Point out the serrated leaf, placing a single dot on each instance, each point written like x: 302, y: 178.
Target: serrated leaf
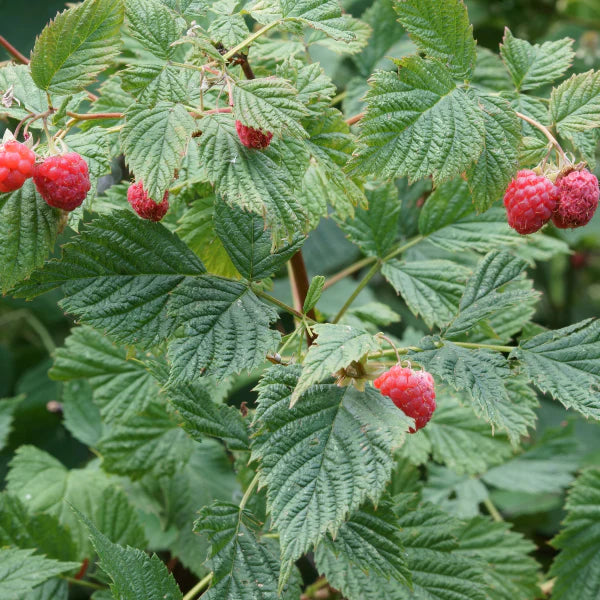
x: 575, y: 103
x: 43, y: 484
x: 336, y: 347
x: 418, y: 102
x: 93, y: 147
x: 564, y: 363
x: 492, y: 171
x: 133, y: 572
x: 120, y: 286
x: 534, y: 65
x: 81, y: 416
x: 336, y: 442
x: 359, y: 28
x: 52, y: 589
x: 244, y: 567
x: 578, y: 563
x: 431, y: 288
x: 375, y: 229
x: 228, y: 30
x: 322, y: 15
x: 80, y: 43
x: 7, y: 409
x: 153, y: 26
x: 490, y: 74
x: 27, y: 97
x: 154, y: 141
x: 269, y: 104
x: 442, y: 31
x: 117, y: 519
x: 510, y: 572
x: 249, y: 244
x: 122, y: 387
x: 315, y: 289
x: 28, y: 230
x: 259, y: 181
x: 21, y: 571
x: 226, y: 329
x: 485, y: 293
x: 151, y: 442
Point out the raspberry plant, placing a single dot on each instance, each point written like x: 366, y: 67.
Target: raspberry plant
x: 316, y: 485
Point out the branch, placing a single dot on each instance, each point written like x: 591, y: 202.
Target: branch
x: 13, y: 51
x: 249, y: 40
x: 355, y: 118
x: 300, y: 285
x: 92, y: 116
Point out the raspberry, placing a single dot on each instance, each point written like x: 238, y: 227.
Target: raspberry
x: 144, y: 205
x: 253, y: 138
x: 577, y: 196
x: 16, y: 165
x: 413, y: 392
x: 529, y: 201
x: 63, y: 181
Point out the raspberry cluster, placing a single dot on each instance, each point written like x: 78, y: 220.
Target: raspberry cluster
x: 253, y: 138
x: 577, y: 199
x: 144, y: 206
x: 16, y: 165
x: 413, y: 392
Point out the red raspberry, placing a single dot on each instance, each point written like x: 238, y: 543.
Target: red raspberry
x: 577, y: 196
x: 413, y: 392
x: 63, y: 181
x: 16, y: 165
x: 253, y: 138
x: 144, y: 205
x: 529, y: 201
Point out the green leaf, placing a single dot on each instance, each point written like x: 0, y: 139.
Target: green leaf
x: 228, y: 30
x: 249, y: 244
x: 578, y: 563
x: 20, y: 571
x: 122, y: 386
x: 533, y: 65
x: 244, y: 567
x: 226, y: 329
x: 27, y: 97
x: 153, y: 26
x: 259, y: 181
x: 81, y: 416
x: 442, y: 31
x: 564, y: 363
x: 491, y: 173
x: 133, y: 572
x: 202, y: 416
x: 314, y: 293
x: 575, y: 103
x: 28, y: 230
x: 94, y: 148
x: 80, y: 43
x: 484, y: 293
x: 154, y: 141
x: 419, y: 102
x: 41, y: 532
x: 430, y: 288
x: 52, y: 589
x: 367, y: 544
x: 43, y: 484
x: 449, y: 221
x: 117, y: 276
x: 270, y: 104
x: 490, y: 74
x: 510, y: 572
x: 375, y: 229
x: 151, y: 442
x: 118, y: 520
x: 336, y: 347
x: 7, y: 409
x: 335, y: 443
x: 322, y: 15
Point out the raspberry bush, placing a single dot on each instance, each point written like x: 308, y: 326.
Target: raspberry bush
x: 328, y: 353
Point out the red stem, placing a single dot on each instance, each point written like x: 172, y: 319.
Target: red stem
x: 13, y: 51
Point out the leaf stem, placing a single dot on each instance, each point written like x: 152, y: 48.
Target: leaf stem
x: 484, y: 346
x: 13, y: 51
x: 91, y: 116
x: 494, y: 513
x: 249, y: 492
x: 203, y: 583
x: 412, y: 242
x: 357, y: 266
x: 359, y: 288
x: 83, y: 583
x: 249, y: 40
x: 300, y: 285
x: 355, y: 118
x: 547, y: 133
x: 282, y: 305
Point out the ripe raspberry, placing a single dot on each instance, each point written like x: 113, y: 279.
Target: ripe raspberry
x: 413, y: 392
x: 253, y: 138
x: 16, y: 165
x: 144, y: 205
x: 63, y: 180
x: 529, y: 202
x: 577, y: 196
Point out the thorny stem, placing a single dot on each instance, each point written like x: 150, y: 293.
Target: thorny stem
x: 203, y: 583
x: 249, y: 40
x: 13, y: 51
x: 547, y: 133
x: 83, y: 582
x: 300, y: 285
x: 365, y: 280
x: 494, y: 513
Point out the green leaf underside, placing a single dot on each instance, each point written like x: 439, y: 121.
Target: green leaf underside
x: 577, y: 567
x: 442, y: 31
x: 420, y: 102
x: 80, y: 43
x: 335, y: 443
x: 322, y: 15
x: 566, y: 364
x: 226, y: 329
x: 153, y: 25
x: 534, y: 65
x: 117, y: 275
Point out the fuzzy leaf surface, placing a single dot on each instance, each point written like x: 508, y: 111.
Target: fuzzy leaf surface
x: 322, y: 15
x: 153, y: 26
